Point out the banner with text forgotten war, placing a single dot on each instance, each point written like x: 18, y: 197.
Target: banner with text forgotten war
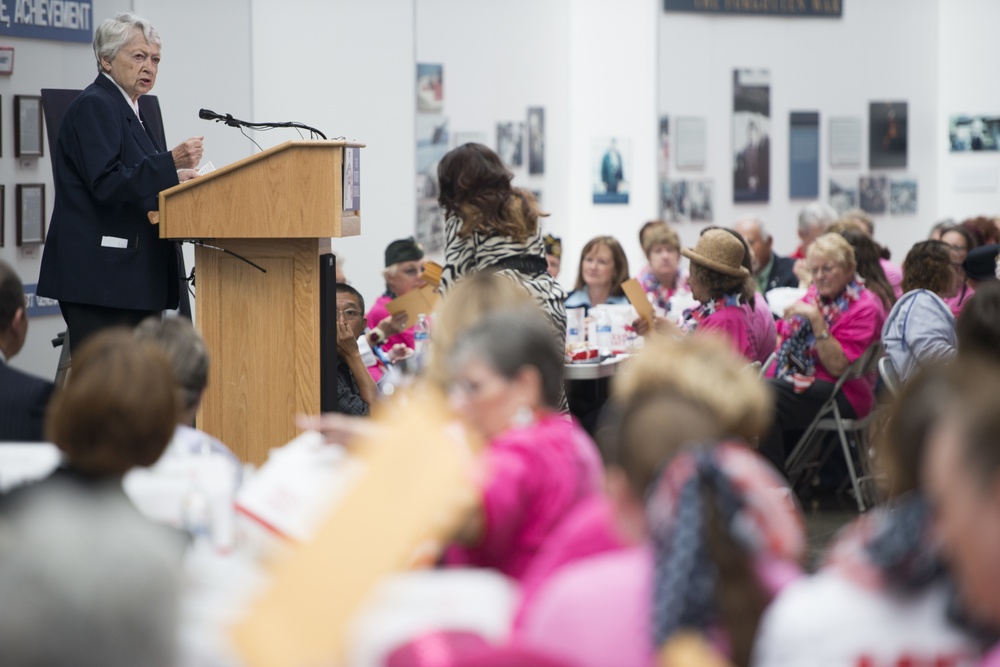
x: 801, y: 8
x: 59, y: 20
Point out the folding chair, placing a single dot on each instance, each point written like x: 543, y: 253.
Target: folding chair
x: 762, y: 370
x: 890, y: 379
x: 814, y: 448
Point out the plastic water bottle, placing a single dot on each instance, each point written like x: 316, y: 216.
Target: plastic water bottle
x: 421, y: 340
x: 603, y: 321
x: 196, y: 515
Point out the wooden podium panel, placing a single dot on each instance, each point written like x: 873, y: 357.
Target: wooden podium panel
x: 294, y: 190
x: 279, y: 209
x: 262, y: 332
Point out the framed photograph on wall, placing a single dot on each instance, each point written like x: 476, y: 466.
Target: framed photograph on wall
x: 3, y: 207
x: 751, y: 135
x: 30, y: 213
x: 28, y: 126
x: 887, y: 130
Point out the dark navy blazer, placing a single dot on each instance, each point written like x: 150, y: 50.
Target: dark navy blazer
x: 108, y: 173
x: 23, y: 400
x: 782, y: 273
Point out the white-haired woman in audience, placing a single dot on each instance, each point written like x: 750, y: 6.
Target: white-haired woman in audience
x: 505, y: 381
x: 821, y: 336
x: 881, y: 595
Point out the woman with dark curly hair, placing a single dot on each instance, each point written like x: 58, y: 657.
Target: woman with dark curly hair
x: 920, y: 328
x: 491, y: 226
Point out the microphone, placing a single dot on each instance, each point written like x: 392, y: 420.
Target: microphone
x: 206, y: 114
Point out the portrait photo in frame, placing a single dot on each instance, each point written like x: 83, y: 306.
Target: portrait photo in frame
x: 30, y: 213
x: 28, y: 126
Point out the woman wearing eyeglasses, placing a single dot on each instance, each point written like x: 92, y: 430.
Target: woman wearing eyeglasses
x: 821, y: 336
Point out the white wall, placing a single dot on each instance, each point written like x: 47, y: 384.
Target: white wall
x: 966, y: 85
x: 499, y: 59
x: 347, y: 68
x: 878, y: 51
x: 38, y: 64
x: 612, y: 93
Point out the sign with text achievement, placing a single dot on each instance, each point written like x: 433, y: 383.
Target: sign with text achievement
x: 794, y: 8
x: 58, y: 20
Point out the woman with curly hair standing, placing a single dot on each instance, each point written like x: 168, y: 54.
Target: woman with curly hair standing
x: 491, y: 226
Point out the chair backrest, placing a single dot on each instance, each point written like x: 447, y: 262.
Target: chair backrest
x: 887, y: 372
x: 863, y: 366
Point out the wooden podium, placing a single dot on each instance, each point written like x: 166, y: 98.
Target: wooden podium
x: 278, y: 209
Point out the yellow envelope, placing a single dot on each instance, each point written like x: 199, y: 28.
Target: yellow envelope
x: 416, y: 486
x: 414, y: 302
x: 637, y: 297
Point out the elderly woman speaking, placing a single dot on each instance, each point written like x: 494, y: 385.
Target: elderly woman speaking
x: 103, y: 261
x: 821, y: 336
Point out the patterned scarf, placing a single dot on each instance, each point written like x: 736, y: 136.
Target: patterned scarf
x: 694, y: 316
x: 659, y: 292
x: 797, y: 356
x: 755, y: 506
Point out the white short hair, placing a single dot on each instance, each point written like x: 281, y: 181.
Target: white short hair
x: 113, y: 34
x: 817, y: 214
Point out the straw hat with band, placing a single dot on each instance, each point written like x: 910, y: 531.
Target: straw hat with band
x: 719, y: 251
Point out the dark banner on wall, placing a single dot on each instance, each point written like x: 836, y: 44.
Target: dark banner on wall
x: 59, y: 20
x: 803, y: 155
x: 802, y: 8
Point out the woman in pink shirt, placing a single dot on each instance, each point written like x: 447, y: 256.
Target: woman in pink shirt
x: 506, y: 382
x: 821, y: 336
x: 721, y: 282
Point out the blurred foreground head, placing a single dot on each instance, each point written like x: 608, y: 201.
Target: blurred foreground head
x: 709, y: 392
x: 464, y: 305
x: 119, y: 408
x: 86, y: 581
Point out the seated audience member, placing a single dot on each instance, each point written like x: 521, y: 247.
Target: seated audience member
x: 185, y: 350
x: 715, y: 538
x: 983, y: 229
x: 506, y: 383
x: 770, y: 270
x: 961, y: 472
x: 23, y: 398
x: 694, y: 370
x: 814, y: 220
x: 356, y: 389
x: 939, y: 227
x: 553, y: 254
x: 866, y: 255
x: 866, y: 223
x: 821, y: 336
x: 404, y: 269
x: 978, y: 326
x: 603, y: 269
x: 920, y: 328
x: 960, y: 242
x: 881, y: 596
x: 662, y: 277
x: 118, y: 410
x: 765, y: 331
x: 982, y: 265
x: 719, y: 281
x: 85, y: 580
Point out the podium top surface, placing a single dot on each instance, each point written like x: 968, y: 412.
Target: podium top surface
x: 292, y: 190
